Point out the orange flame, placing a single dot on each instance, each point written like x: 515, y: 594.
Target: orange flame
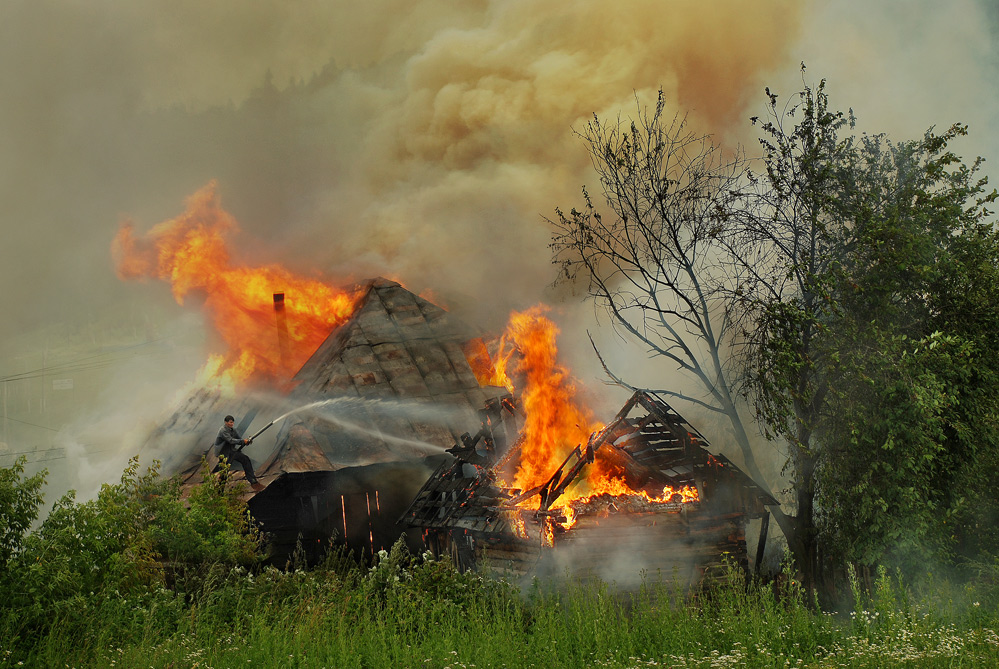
x: 487, y: 371
x: 190, y: 253
x: 555, y: 421
x: 548, y: 533
x: 616, y: 488
x: 519, y: 527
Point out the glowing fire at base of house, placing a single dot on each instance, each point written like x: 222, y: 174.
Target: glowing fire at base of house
x: 671, y: 501
x: 631, y: 501
x: 564, y: 516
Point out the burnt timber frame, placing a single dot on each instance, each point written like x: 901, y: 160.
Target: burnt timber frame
x: 463, y: 505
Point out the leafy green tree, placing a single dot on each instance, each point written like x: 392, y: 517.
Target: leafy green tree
x: 784, y: 247
x: 20, y: 497
x: 913, y: 349
x: 873, y: 359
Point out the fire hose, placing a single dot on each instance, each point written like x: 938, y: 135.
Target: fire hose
x: 282, y: 417
x: 258, y: 433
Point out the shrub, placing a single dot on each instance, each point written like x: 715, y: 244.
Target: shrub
x: 20, y: 498
x: 106, y: 559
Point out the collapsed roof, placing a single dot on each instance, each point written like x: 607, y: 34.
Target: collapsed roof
x: 465, y: 510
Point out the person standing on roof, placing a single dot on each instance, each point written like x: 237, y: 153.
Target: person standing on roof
x: 228, y: 443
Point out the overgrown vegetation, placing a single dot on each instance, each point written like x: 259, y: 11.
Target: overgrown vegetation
x: 845, y: 287
x: 137, y: 578
x: 136, y: 549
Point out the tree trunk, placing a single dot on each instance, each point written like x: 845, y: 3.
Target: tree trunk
x: 804, y: 543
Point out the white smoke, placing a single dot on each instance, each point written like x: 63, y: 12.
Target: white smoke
x: 420, y: 140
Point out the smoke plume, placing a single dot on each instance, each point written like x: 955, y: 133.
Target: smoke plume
x: 407, y: 138
x: 417, y: 140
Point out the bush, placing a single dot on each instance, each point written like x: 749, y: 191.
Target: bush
x: 20, y: 498
x: 107, y: 559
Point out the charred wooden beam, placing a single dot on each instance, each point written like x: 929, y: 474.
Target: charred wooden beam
x: 517, y: 499
x: 550, y: 495
x: 762, y: 544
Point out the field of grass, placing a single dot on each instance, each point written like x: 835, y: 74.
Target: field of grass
x: 418, y: 612
x: 140, y: 577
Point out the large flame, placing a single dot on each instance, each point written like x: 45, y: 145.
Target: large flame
x: 265, y: 342
x: 490, y: 370
x: 556, y: 420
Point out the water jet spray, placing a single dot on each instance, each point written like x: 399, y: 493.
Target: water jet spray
x: 282, y: 417
x: 387, y: 438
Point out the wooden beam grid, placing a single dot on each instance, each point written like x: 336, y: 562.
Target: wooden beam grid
x: 660, y: 447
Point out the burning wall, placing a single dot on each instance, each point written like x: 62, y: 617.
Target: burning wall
x: 673, y: 505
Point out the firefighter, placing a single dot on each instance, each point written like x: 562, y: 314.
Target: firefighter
x: 229, y: 446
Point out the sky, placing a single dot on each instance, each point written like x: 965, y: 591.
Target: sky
x: 422, y: 140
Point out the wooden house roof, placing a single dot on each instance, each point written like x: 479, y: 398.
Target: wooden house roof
x: 395, y: 356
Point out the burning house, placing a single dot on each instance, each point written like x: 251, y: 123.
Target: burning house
x: 385, y: 404
x: 385, y: 394
x: 374, y: 391
x: 644, y: 493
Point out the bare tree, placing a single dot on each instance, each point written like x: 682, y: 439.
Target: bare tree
x: 660, y: 265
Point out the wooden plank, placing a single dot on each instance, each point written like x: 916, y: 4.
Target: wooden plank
x: 433, y: 364
x: 360, y: 359
x: 459, y: 363
x: 507, y: 553
x: 665, y: 443
x: 411, y: 323
x: 659, y: 450
x: 336, y: 380
x: 659, y: 455
x: 373, y: 319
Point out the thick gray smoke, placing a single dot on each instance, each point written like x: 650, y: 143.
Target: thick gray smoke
x: 408, y: 138
x: 421, y: 140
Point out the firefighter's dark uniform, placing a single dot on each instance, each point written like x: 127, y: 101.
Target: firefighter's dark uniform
x: 227, y: 446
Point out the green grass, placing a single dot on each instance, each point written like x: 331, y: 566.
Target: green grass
x: 139, y: 577
x: 421, y: 613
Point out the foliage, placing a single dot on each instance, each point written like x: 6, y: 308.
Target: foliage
x: 784, y: 243
x: 211, y: 526
x: 911, y: 352
x: 874, y: 358
x: 20, y: 498
x: 114, y: 552
x: 408, y: 610
x: 434, y: 616
x: 851, y: 278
